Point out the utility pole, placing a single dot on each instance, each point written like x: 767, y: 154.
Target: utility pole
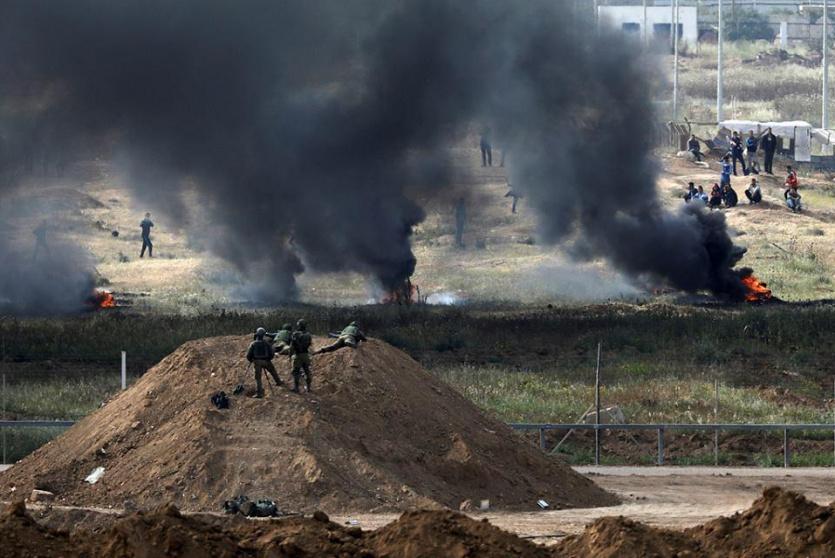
x: 719, y: 39
x: 675, y: 60
x: 644, y: 26
x: 672, y: 23
x: 825, y: 64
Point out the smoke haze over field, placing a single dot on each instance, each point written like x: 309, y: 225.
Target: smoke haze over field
x: 308, y: 127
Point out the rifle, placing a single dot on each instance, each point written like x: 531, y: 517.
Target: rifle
x: 334, y: 335
x: 266, y: 377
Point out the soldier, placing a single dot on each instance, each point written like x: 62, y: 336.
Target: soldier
x: 260, y: 354
x: 348, y: 337
x: 281, y: 338
x: 146, y: 225
x: 300, y: 343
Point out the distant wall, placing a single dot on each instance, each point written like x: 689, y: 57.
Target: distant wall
x: 630, y: 19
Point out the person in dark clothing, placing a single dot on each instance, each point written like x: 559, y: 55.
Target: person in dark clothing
x: 751, y: 145
x: 729, y: 197
x: 694, y: 147
x: 753, y: 192
x: 715, y: 201
x: 486, y: 149
x: 515, y: 195
x: 769, y: 146
x: 460, y: 219
x: 692, y: 193
x: 261, y: 354
x: 737, y: 152
x: 300, y: 343
x: 146, y: 225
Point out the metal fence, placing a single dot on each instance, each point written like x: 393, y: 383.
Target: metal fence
x: 662, y: 428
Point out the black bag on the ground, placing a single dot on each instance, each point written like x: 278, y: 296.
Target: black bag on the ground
x: 260, y: 508
x: 234, y: 506
x: 220, y: 400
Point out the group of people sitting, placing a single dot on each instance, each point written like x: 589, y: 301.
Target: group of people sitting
x: 723, y: 195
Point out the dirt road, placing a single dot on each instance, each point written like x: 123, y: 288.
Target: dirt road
x: 676, y: 497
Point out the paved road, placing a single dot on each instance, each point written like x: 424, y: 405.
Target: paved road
x: 771, y: 472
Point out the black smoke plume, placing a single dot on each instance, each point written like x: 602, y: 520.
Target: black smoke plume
x: 308, y: 127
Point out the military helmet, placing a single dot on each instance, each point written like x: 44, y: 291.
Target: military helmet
x: 287, y: 326
x: 301, y: 325
x: 260, y: 332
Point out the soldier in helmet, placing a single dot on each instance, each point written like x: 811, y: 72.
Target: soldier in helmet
x: 281, y: 338
x: 260, y: 354
x: 300, y: 343
x: 348, y: 337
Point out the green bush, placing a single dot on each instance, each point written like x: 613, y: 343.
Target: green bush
x: 750, y: 26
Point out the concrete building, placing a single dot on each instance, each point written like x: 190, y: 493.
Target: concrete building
x: 630, y: 19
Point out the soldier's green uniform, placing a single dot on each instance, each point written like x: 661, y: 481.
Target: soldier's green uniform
x: 260, y: 354
x: 348, y: 337
x: 300, y: 343
x: 282, y: 339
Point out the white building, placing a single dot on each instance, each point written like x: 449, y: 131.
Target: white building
x: 630, y: 19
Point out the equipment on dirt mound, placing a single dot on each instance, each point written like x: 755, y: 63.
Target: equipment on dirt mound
x: 220, y: 400
x: 259, y: 508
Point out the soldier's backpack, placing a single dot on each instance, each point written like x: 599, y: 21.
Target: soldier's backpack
x: 262, y: 350
x: 301, y: 342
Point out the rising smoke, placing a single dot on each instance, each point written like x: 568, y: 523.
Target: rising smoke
x: 308, y: 127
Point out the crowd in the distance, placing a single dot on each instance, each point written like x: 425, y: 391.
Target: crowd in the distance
x: 722, y: 193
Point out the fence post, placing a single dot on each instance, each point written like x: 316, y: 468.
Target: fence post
x: 597, y: 408
x: 787, y: 458
x: 4, y: 412
x: 124, y: 371
x: 542, y: 439
x: 716, y: 421
x: 660, y: 446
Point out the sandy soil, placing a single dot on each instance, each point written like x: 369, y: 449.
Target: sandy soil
x: 675, y: 497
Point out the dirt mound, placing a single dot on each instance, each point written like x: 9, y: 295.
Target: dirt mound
x: 378, y: 433
x: 22, y: 537
x: 618, y: 537
x: 444, y: 533
x: 780, y: 524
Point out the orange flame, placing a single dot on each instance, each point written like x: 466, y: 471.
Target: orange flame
x: 757, y: 290
x: 104, y: 299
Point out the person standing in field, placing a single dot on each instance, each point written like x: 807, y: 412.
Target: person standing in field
x: 486, y: 149
x: 736, y: 152
x: 146, y: 225
x: 751, y: 145
x: 726, y: 170
x: 769, y: 146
